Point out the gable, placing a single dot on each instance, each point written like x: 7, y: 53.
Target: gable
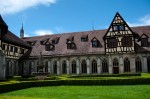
x: 118, y: 27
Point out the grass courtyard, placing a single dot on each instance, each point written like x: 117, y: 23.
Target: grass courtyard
x: 81, y: 92
x: 77, y: 87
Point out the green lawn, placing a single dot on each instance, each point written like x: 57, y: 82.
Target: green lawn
x: 81, y: 92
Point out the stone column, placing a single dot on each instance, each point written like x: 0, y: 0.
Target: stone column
x: 2, y: 66
x: 144, y: 67
x: 58, y: 67
x: 49, y: 67
x: 121, y: 65
x: 88, y: 65
x: 67, y: 66
x: 133, y: 68
x: 110, y: 65
x: 78, y: 66
x: 98, y: 65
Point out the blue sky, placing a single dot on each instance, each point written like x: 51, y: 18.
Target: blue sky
x: 42, y: 17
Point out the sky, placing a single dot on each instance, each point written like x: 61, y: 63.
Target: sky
x: 42, y: 17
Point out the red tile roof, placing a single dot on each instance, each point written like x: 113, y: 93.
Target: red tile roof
x: 82, y: 47
x: 13, y: 39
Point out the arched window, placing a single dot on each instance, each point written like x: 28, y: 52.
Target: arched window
x: 115, y: 62
x: 73, y: 66
x: 46, y: 66
x: 55, y: 67
x: 30, y: 67
x: 138, y: 65
x: 115, y: 66
x: 83, y: 66
x: 64, y: 67
x: 94, y: 66
x: 126, y: 65
x: 104, y: 66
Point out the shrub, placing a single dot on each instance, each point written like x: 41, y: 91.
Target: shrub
x: 23, y: 85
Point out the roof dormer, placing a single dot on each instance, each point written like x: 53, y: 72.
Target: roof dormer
x: 95, y: 42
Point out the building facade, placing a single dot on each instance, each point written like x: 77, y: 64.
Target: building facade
x: 116, y: 50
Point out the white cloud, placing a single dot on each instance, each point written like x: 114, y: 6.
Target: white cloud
x: 26, y: 35
x: 141, y: 22
x: 43, y: 32
x: 14, y: 6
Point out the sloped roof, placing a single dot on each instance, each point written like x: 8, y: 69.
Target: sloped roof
x: 13, y: 39
x: 82, y: 48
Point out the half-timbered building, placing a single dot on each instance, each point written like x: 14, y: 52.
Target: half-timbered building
x: 116, y: 50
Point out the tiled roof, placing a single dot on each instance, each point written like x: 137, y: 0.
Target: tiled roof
x: 82, y: 48
x: 13, y: 39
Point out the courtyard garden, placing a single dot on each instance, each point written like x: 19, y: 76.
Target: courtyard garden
x: 121, y: 86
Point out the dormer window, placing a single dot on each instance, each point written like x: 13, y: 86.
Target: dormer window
x: 84, y: 38
x: 95, y: 42
x: 71, y: 45
x: 55, y: 40
x: 112, y: 43
x: 144, y: 42
x: 43, y: 42
x: 31, y: 43
x: 71, y: 39
x: 49, y: 47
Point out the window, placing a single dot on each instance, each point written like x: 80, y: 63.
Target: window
x: 144, y: 42
x: 11, y: 48
x: 55, y: 67
x: 115, y: 63
x: 83, y: 39
x: 49, y: 47
x: 94, y: 44
x: 64, y: 67
x: 7, y: 47
x: 74, y: 67
x: 83, y: 66
x: 126, y: 41
x: 16, y: 49
x: 112, y: 43
x: 71, y: 45
x: 115, y: 28
x: 94, y: 66
x: 121, y: 27
x: 104, y: 66
x: 126, y: 65
x: 22, y: 51
x: 54, y: 42
x: 138, y: 65
x: 46, y: 66
x: 3, y: 46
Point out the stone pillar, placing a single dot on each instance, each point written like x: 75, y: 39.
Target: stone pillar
x: 49, y: 67
x: 133, y: 67
x: 58, y: 67
x: 67, y: 66
x: 98, y: 65
x: 110, y: 65
x: 88, y: 65
x: 144, y: 67
x: 121, y: 65
x: 78, y: 66
x: 2, y: 66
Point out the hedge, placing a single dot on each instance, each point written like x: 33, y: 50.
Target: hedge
x: 106, y: 75
x: 22, y: 85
